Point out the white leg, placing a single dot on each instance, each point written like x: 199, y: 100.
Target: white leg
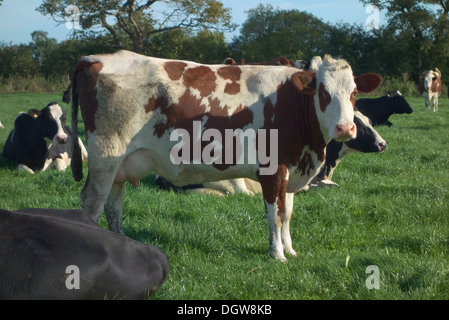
x: 24, y: 167
x: 285, y: 229
x: 274, y: 227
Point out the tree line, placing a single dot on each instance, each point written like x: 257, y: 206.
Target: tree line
x: 414, y: 38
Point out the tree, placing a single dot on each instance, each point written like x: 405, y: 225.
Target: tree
x: 270, y: 32
x: 132, y: 22
x: 421, y: 32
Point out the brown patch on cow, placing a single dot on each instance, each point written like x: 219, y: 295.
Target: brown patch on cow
x: 201, y: 78
x: 274, y: 189
x: 305, y: 164
x: 86, y: 74
x: 232, y: 88
x: 295, y: 118
x: 353, y: 98
x: 324, y: 97
x: 154, y: 103
x: 179, y: 115
x: 233, y: 74
x: 437, y: 85
x: 175, y: 69
x: 230, y: 73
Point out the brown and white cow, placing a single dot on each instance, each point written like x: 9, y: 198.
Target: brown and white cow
x: 430, y: 86
x: 139, y: 113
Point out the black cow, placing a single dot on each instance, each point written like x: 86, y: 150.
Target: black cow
x: 63, y: 254
x: 380, y: 109
x: 26, y: 143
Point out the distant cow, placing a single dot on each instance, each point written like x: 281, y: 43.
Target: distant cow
x: 26, y: 143
x: 378, y: 110
x: 136, y: 109
x: 63, y: 254
x: 368, y: 140
x: 430, y: 86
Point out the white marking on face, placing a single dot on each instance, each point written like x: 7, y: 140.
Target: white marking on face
x: 338, y: 81
x: 56, y: 113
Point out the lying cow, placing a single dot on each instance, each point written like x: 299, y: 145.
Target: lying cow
x: 63, y: 254
x: 430, y: 86
x: 59, y: 155
x: 26, y: 143
x: 368, y: 140
x: 378, y: 110
x: 136, y: 109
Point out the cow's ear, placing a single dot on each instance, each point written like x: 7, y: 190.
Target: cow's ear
x: 368, y: 82
x: 304, y: 81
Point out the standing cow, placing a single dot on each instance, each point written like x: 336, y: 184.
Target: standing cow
x: 430, y: 86
x: 26, y: 143
x: 141, y: 112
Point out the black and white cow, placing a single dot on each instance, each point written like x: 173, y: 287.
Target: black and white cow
x: 368, y: 140
x: 26, y: 143
x: 63, y: 254
x: 378, y: 110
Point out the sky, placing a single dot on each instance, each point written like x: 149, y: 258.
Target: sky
x: 19, y: 18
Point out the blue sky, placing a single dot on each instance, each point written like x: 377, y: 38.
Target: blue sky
x: 18, y: 18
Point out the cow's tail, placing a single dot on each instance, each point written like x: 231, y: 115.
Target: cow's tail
x: 76, y: 163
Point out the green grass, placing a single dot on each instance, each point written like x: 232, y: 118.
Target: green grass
x: 391, y: 210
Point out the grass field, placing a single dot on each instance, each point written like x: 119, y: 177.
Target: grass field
x: 391, y: 211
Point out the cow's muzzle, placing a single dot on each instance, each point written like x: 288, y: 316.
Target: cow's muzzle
x: 382, y: 146
x: 61, y: 139
x: 344, y: 132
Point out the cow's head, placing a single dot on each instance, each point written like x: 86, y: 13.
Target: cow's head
x: 398, y: 103
x: 53, y: 121
x: 368, y: 139
x: 430, y: 80
x: 335, y: 90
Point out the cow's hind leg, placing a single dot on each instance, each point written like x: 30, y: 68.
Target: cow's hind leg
x: 97, y: 188
x: 285, y: 229
x: 113, y: 208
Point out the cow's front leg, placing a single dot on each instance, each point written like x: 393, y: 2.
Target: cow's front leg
x: 113, y: 208
x: 274, y: 192
x: 435, y: 103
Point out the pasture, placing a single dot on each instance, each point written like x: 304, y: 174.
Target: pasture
x: 391, y: 211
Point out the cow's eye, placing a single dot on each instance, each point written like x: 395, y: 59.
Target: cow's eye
x: 434, y: 78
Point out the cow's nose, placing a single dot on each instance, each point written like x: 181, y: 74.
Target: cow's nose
x: 382, y: 146
x: 62, y: 139
x: 345, y: 131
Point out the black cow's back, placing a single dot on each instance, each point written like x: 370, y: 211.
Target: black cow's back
x: 38, y: 245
